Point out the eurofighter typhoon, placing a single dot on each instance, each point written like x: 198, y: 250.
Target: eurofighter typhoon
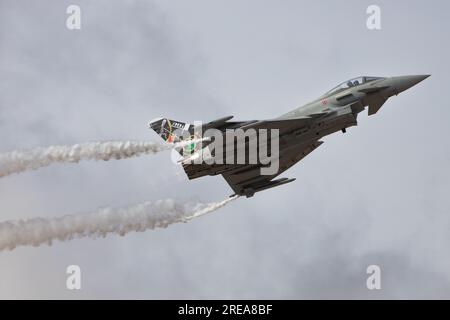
x: 298, y: 133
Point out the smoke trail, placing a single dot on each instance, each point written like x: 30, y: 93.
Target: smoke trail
x: 138, y: 218
x: 19, y: 161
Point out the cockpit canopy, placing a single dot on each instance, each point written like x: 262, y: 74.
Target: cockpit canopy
x: 352, y: 83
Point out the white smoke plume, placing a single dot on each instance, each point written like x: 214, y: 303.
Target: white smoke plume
x: 138, y: 218
x: 19, y: 161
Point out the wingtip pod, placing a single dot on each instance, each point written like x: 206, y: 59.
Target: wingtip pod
x: 222, y: 120
x: 215, y: 123
x: 250, y: 192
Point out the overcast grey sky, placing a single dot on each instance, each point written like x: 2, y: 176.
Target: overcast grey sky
x: 376, y: 195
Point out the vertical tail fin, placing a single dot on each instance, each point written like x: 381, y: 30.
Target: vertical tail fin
x: 171, y: 131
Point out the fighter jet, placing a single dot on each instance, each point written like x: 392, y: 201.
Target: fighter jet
x: 300, y: 130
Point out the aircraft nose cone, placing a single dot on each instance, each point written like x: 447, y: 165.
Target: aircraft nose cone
x: 405, y: 82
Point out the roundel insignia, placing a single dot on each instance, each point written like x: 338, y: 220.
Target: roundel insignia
x: 325, y: 102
